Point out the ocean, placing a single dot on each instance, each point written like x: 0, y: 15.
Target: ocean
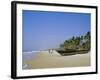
x: 28, y: 56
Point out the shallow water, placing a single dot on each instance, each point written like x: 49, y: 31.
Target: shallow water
x: 27, y: 56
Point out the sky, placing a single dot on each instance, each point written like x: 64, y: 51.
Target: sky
x: 46, y: 30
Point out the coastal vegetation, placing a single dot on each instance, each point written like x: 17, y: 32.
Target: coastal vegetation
x: 76, y: 45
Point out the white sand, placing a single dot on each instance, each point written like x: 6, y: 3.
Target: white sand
x: 44, y: 59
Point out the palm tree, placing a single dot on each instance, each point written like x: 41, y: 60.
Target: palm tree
x: 80, y: 42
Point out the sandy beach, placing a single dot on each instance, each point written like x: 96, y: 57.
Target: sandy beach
x: 44, y: 59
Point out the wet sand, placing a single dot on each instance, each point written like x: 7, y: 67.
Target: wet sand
x: 44, y: 59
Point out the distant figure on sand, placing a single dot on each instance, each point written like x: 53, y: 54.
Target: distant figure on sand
x: 51, y: 51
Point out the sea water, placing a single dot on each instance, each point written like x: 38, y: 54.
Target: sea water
x: 27, y: 56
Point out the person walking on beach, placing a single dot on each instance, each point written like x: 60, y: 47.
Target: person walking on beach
x: 49, y: 50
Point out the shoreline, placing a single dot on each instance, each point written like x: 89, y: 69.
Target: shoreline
x: 46, y: 60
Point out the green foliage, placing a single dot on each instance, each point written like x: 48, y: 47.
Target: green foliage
x: 77, y: 43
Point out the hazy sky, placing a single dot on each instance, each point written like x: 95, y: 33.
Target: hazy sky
x: 43, y: 30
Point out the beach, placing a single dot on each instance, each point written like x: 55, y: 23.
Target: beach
x: 44, y: 59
